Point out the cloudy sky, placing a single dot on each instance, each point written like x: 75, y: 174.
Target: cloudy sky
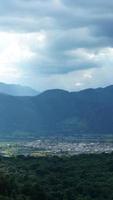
x: 65, y: 44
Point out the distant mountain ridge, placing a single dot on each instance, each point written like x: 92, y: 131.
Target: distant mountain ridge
x: 58, y: 112
x: 17, y: 90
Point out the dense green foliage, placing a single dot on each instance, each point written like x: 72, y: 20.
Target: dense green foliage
x: 82, y: 177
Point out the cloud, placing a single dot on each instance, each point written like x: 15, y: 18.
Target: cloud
x: 65, y: 42
x: 98, y: 76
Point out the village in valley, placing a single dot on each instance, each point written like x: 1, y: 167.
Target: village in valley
x: 55, y: 146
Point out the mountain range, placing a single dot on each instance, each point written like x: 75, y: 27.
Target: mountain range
x: 17, y: 90
x: 58, y: 112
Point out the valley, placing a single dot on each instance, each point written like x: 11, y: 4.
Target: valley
x: 56, y: 146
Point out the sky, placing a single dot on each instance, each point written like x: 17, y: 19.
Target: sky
x: 65, y: 44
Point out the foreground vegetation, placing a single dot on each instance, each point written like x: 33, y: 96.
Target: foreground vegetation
x: 82, y: 177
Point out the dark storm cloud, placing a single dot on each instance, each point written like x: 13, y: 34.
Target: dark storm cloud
x: 65, y: 15
x: 97, y: 4
x: 68, y: 25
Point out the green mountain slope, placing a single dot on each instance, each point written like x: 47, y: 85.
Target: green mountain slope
x: 57, y: 112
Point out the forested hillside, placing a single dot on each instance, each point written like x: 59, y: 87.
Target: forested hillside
x: 58, y: 112
x: 83, y: 177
